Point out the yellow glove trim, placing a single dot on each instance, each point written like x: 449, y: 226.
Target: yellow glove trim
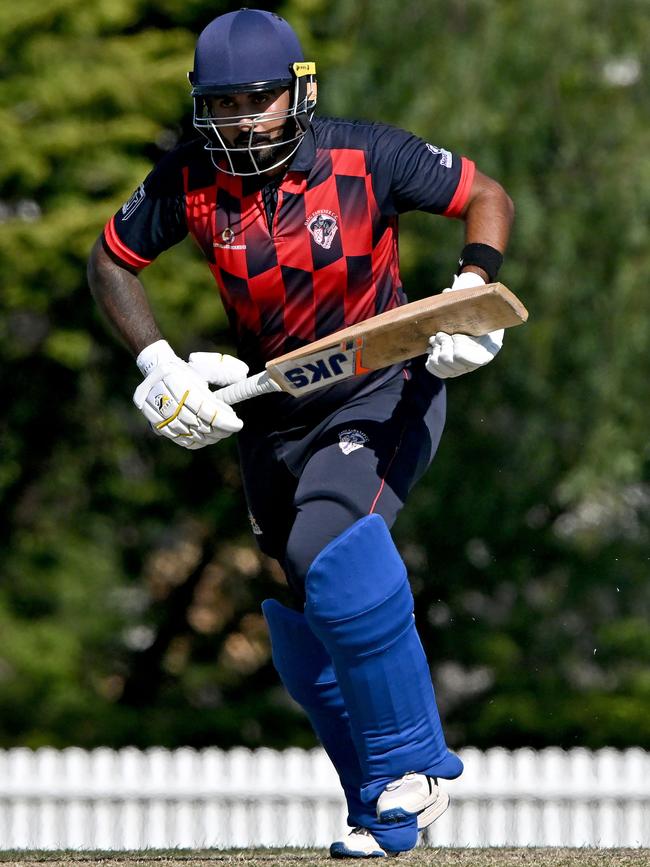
x: 162, y: 424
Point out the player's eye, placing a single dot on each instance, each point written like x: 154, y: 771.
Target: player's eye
x: 219, y: 104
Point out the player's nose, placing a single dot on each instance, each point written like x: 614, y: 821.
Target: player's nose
x: 248, y: 115
x: 245, y: 121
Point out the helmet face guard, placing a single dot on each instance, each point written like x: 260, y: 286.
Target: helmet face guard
x: 248, y: 51
x: 245, y: 159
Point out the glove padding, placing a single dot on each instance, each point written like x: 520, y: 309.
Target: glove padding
x: 175, y: 399
x: 454, y: 354
x: 218, y: 369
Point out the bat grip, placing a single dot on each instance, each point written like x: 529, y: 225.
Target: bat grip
x: 252, y: 386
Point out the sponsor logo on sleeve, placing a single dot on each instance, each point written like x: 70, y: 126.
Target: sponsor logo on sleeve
x: 133, y: 203
x: 446, y: 159
x: 323, y: 226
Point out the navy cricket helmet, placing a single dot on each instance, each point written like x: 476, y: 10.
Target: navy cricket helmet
x: 249, y: 51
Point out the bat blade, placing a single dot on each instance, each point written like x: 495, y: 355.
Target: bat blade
x: 389, y: 338
x: 394, y: 336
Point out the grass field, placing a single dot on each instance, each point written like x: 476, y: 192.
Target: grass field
x: 543, y: 857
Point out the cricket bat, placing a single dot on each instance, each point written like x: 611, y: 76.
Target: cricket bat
x: 382, y: 340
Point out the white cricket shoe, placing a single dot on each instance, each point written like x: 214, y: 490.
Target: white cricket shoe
x: 412, y: 795
x: 359, y: 843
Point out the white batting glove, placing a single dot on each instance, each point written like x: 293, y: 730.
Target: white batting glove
x: 175, y: 399
x: 218, y: 369
x: 455, y: 354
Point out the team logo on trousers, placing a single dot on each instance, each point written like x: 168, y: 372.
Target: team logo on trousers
x: 323, y: 226
x: 351, y: 440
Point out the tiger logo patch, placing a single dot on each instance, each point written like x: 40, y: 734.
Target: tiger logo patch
x: 323, y: 226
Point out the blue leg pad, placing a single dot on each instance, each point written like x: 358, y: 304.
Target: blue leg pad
x: 306, y: 670
x: 360, y: 606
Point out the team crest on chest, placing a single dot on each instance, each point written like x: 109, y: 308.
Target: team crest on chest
x: 323, y: 226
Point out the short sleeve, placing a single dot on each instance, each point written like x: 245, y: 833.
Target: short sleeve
x: 410, y: 174
x: 152, y: 220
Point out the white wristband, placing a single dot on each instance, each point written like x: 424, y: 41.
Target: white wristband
x: 153, y: 355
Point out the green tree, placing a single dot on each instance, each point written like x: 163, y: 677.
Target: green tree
x: 529, y: 538
x: 108, y: 611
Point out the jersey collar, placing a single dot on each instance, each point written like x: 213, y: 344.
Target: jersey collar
x: 306, y: 154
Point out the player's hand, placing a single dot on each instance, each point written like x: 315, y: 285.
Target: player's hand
x: 455, y: 354
x: 218, y: 369
x: 176, y: 401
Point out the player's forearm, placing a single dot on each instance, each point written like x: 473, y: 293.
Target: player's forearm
x: 488, y: 217
x: 122, y: 299
x: 488, y: 214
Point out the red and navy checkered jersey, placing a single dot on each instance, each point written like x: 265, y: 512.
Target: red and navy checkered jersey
x: 325, y: 257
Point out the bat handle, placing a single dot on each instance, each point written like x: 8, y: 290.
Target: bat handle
x: 252, y: 386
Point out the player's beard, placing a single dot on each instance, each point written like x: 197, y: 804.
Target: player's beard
x: 265, y: 157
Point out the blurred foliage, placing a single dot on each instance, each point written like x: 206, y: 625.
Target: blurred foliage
x: 130, y: 591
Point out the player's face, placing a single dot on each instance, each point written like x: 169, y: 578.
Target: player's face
x: 242, y: 112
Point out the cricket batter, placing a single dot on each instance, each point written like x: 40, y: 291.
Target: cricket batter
x: 297, y: 217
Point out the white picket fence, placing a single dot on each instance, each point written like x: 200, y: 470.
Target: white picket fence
x: 128, y: 799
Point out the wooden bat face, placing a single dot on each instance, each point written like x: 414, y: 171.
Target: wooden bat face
x: 395, y: 336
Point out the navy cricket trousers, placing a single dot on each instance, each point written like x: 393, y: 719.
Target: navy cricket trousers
x: 307, y: 478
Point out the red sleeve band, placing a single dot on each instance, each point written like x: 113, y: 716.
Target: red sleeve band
x: 459, y: 200
x: 120, y: 249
